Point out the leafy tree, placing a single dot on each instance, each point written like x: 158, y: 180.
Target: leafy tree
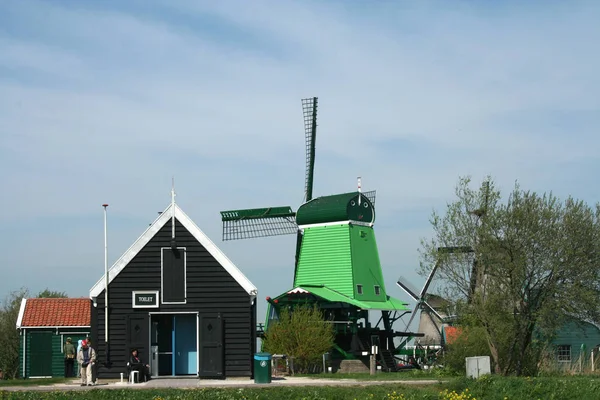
x: 302, y: 334
x: 9, y: 336
x: 46, y: 293
x: 526, y: 266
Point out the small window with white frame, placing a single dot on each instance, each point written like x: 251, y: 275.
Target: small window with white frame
x: 377, y: 290
x: 563, y: 353
x: 359, y: 289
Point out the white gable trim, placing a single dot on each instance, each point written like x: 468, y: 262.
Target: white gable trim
x: 298, y: 290
x: 21, y: 313
x: 200, y: 236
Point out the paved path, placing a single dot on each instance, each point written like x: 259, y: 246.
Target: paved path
x: 190, y: 383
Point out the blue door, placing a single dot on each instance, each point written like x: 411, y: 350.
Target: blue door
x: 185, y: 354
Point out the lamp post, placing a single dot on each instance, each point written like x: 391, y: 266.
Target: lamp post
x: 105, y: 279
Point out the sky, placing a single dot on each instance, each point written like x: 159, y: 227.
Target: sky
x: 105, y: 102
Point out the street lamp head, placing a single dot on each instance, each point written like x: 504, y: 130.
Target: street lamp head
x: 104, y: 205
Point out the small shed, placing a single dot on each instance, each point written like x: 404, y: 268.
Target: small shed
x: 574, y: 338
x: 44, y: 325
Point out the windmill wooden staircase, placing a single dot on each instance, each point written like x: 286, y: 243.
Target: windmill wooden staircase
x: 388, y: 361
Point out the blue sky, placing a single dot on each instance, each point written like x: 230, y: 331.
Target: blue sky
x: 106, y: 101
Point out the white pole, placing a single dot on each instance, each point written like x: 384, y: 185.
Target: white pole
x: 173, y: 209
x: 359, y: 190
x: 106, y: 278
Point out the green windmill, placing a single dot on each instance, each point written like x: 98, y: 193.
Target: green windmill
x: 337, y: 262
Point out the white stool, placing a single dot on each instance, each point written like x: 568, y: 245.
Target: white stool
x: 133, y: 375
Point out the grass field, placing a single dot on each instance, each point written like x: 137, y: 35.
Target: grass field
x: 399, y: 376
x: 33, y: 382
x: 488, y: 387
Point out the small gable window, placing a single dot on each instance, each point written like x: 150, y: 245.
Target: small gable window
x: 173, y: 275
x: 359, y: 289
x: 377, y: 290
x: 564, y: 353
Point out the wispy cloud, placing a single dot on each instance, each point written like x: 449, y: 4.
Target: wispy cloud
x: 106, y: 101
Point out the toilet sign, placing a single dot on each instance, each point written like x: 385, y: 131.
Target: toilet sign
x: 144, y: 299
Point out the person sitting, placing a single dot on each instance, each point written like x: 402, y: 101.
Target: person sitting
x: 136, y: 364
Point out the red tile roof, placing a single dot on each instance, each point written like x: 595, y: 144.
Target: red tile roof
x: 57, y: 312
x: 452, y: 333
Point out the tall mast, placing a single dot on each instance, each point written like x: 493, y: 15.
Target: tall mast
x: 173, y: 208
x: 105, y: 278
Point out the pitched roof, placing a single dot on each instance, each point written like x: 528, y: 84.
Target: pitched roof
x: 200, y: 236
x: 54, y: 312
x: 334, y: 296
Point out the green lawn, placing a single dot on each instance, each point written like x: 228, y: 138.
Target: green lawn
x: 33, y: 382
x: 488, y: 388
x: 381, y: 376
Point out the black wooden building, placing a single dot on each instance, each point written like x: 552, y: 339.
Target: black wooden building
x: 180, y: 301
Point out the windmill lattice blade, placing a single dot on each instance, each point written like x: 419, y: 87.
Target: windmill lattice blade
x: 258, y: 222
x: 408, y: 288
x: 371, y: 196
x: 429, y: 279
x: 433, y: 310
x: 412, y: 316
x: 455, y: 249
x: 309, y: 109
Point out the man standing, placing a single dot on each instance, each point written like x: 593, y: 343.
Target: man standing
x: 86, y: 359
x: 69, y: 351
x: 95, y: 365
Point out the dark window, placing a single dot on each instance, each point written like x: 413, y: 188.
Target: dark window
x: 359, y: 289
x: 564, y: 353
x: 377, y: 290
x: 173, y: 275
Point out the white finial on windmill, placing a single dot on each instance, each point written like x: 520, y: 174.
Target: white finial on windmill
x: 173, y: 208
x: 359, y: 190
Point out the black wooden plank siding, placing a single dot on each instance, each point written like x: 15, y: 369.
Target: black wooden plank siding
x: 210, y: 290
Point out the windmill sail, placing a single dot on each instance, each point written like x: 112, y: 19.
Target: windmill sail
x: 258, y: 222
x: 309, y: 108
x: 274, y: 221
x: 371, y: 196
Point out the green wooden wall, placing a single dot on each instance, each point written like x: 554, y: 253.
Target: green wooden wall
x: 575, y: 334
x: 21, y: 341
x: 51, y: 360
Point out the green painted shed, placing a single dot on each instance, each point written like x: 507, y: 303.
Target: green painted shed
x: 573, y: 338
x: 44, y: 325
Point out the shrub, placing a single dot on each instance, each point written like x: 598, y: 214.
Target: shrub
x: 470, y: 343
x: 302, y: 334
